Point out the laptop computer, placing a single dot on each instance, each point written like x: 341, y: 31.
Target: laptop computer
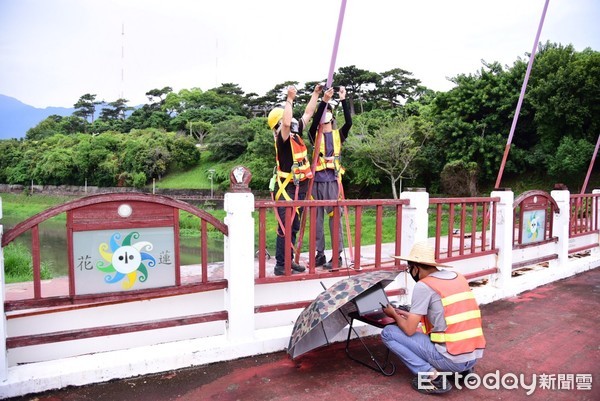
x: 368, y: 305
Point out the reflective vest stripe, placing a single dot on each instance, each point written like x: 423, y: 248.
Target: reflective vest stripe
x: 461, y: 296
x: 452, y: 337
x: 461, y: 317
x: 300, y: 176
x: 331, y: 162
x: 464, y: 332
x: 300, y: 167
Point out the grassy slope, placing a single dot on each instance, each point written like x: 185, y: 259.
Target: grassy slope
x: 195, y: 178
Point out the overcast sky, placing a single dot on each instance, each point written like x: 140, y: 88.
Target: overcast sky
x: 54, y: 51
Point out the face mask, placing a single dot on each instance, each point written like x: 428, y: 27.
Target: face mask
x: 415, y: 277
x: 328, y: 117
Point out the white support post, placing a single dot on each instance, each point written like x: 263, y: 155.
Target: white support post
x: 3, y: 351
x: 560, y: 227
x: 596, y: 218
x: 504, y: 238
x: 239, y: 265
x: 415, y: 220
x: 415, y: 224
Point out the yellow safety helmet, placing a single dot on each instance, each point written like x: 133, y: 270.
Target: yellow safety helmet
x: 274, y: 116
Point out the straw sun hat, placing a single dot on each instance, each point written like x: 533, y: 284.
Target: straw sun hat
x: 422, y: 253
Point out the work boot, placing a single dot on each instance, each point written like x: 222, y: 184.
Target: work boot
x: 320, y: 260
x: 439, y: 385
x: 463, y: 375
x: 280, y: 270
x: 298, y: 268
x: 329, y: 265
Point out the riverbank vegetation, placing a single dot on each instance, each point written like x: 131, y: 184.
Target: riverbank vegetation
x: 18, y: 266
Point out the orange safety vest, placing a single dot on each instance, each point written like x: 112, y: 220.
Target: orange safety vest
x: 300, y: 168
x: 331, y: 162
x: 464, y: 333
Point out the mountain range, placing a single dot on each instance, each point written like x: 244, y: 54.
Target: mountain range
x: 17, y: 117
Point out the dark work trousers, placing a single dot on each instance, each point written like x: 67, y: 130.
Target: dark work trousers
x: 281, y: 241
x: 329, y: 190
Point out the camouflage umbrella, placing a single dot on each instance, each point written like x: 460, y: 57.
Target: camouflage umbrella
x: 327, y: 315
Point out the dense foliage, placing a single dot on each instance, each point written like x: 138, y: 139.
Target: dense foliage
x: 107, y: 159
x: 402, y: 131
x: 19, y: 264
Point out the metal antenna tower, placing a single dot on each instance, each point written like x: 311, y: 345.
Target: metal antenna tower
x: 217, y: 63
x: 122, y: 60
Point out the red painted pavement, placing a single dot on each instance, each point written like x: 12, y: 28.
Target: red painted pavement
x: 551, y: 330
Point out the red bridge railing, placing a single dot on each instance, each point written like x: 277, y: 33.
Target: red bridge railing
x: 584, y: 212
x: 38, y: 299
x: 361, y: 252
x: 464, y: 228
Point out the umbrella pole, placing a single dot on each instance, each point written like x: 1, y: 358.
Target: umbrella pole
x: 379, y: 368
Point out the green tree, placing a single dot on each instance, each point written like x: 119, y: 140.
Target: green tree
x: 396, y: 86
x: 260, y: 155
x: 357, y: 82
x: 45, y: 129
x: 229, y: 139
x: 572, y: 157
x: 360, y: 171
x: 392, y: 148
x: 56, y: 124
x: 55, y: 167
x: 115, y: 110
x: 198, y: 130
x: 473, y: 119
x: 71, y: 125
x: 10, y: 153
x: 459, y: 178
x: 184, y: 152
x: 565, y: 92
x: 86, y: 107
x: 23, y: 171
x: 191, y: 123
x: 147, y: 116
x: 93, y: 156
x: 139, y: 180
x: 157, y: 97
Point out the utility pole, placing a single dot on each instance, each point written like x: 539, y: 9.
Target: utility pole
x: 211, y: 173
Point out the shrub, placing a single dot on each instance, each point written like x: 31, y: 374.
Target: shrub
x: 459, y: 178
x: 18, y: 264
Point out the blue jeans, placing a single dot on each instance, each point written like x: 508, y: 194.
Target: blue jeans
x: 418, y: 352
x: 281, y: 241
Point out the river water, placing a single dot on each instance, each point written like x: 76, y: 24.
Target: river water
x: 53, y: 245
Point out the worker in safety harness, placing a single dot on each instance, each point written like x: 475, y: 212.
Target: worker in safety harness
x: 441, y: 338
x: 292, y: 170
x: 328, y: 170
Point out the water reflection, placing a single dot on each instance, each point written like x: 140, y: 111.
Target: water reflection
x: 53, y: 245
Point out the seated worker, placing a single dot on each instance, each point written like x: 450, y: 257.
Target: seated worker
x: 442, y: 333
